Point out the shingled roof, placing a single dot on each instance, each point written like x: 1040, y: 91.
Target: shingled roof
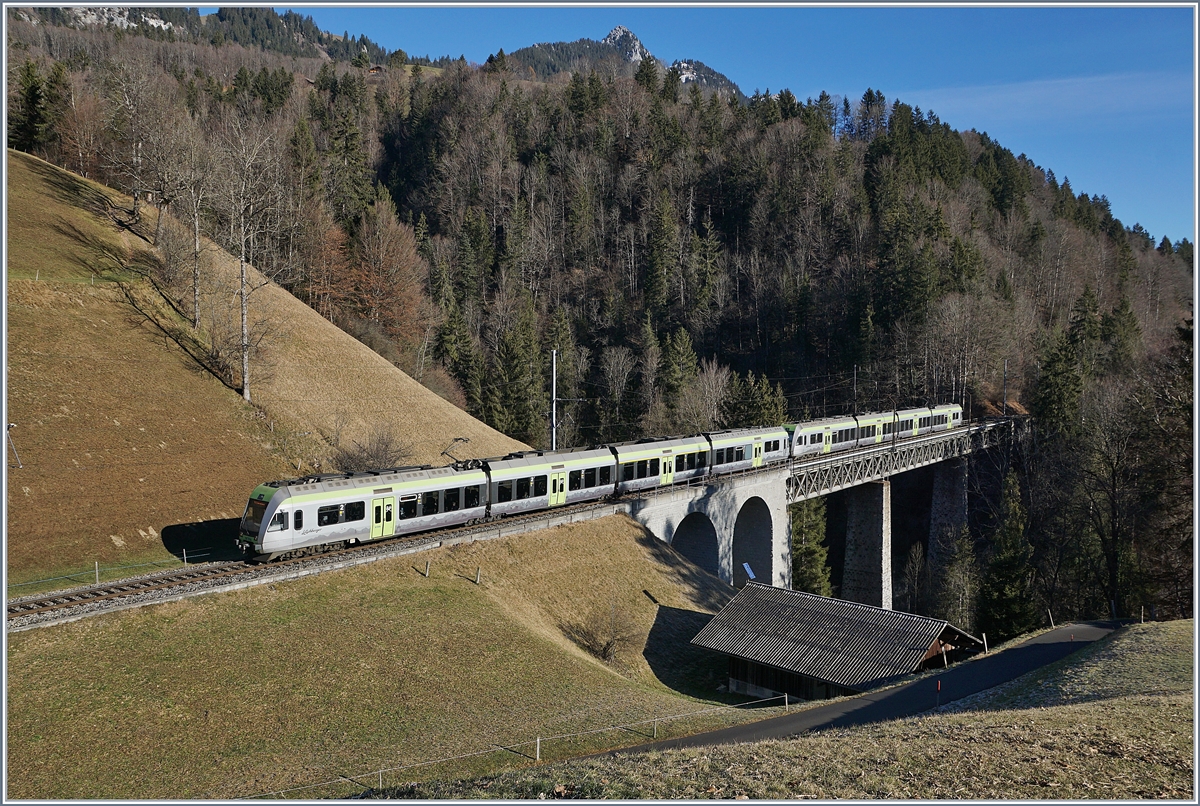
x: 846, y: 643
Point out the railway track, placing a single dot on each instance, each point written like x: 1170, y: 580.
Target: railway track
x: 37, y: 610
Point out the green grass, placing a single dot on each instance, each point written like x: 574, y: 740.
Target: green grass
x: 1113, y: 721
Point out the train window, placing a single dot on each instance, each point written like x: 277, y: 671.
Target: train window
x: 522, y: 489
x: 627, y: 471
x: 739, y: 453
x: 356, y: 510
x: 408, y: 507
x: 387, y: 512
x: 681, y: 461
x: 575, y: 480
x: 278, y: 523
x: 298, y: 520
x: 605, y: 475
x: 429, y: 503
x: 691, y: 458
x: 471, y: 497
x: 504, y: 491
x: 379, y: 513
x: 589, y: 477
x: 327, y: 516
x: 451, y: 499
x: 719, y: 456
x: 701, y: 459
x: 653, y: 467
x: 641, y: 469
x: 539, y: 485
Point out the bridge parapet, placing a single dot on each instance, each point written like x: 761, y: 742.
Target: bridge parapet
x: 817, y: 477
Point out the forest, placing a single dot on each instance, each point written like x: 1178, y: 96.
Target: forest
x: 695, y: 261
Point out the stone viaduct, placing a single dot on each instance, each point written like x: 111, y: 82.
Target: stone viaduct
x: 729, y: 523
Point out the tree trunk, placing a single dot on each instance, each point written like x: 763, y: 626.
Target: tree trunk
x: 196, y: 268
x: 245, y: 322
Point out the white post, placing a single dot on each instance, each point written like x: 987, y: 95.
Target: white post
x: 985, y: 643
x: 477, y: 570
x: 554, y: 400
x: 655, y: 727
x: 427, y: 569
x: 1051, y: 615
x: 786, y: 708
x: 185, y: 557
x: 538, y: 752
x: 97, y: 572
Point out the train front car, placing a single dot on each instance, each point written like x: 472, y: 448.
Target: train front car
x: 263, y: 530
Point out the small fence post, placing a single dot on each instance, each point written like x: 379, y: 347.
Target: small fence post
x: 185, y: 557
x: 786, y: 707
x: 477, y: 570
x: 97, y: 572
x: 1051, y: 615
x: 985, y: 643
x: 538, y: 752
x: 427, y: 569
x: 381, y: 780
x: 656, y: 727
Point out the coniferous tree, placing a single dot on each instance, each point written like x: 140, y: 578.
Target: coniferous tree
x: 1005, y: 597
x: 810, y: 567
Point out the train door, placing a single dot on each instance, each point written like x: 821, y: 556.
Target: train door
x: 758, y: 453
x: 558, y: 488
x: 383, y: 517
x: 668, y: 468
x: 827, y: 444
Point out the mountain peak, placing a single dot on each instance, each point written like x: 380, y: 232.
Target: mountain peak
x: 627, y: 43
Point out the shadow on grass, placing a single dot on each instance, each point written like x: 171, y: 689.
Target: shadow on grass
x: 204, y: 541
x: 71, y: 189
x: 706, y: 589
x: 680, y: 666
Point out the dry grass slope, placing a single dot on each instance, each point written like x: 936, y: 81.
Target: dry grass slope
x: 1113, y: 721
x: 124, y: 439
x: 352, y: 671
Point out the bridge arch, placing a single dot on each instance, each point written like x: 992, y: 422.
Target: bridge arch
x: 696, y: 538
x: 753, y: 534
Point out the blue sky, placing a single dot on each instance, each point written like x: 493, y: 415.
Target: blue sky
x: 1104, y: 96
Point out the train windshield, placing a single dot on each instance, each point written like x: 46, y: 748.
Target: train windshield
x: 252, y: 520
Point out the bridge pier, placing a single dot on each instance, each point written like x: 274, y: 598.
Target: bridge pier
x: 867, y: 571
x: 948, y: 507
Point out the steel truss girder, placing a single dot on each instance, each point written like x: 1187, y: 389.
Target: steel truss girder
x: 809, y: 479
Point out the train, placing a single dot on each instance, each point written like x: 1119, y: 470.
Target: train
x: 329, y: 511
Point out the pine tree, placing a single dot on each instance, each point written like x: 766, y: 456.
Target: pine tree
x: 1055, y: 403
x: 647, y: 75
x: 660, y: 256
x: 27, y: 116
x: 1006, y: 606
x: 810, y: 566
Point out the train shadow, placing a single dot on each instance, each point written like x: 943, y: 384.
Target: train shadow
x: 203, y: 541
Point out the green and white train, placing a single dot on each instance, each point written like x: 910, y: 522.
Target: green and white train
x: 333, y: 510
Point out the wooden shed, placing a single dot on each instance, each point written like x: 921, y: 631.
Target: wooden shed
x: 813, y: 647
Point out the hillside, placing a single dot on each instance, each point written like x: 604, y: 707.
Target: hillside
x: 123, y: 433
x: 294, y: 683
x: 1113, y: 721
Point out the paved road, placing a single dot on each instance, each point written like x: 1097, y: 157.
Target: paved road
x: 912, y: 698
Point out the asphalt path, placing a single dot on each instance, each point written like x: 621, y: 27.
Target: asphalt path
x: 961, y: 680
